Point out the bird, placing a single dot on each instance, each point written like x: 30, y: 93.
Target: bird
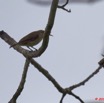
x: 31, y: 39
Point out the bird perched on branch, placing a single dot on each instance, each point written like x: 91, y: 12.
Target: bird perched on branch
x: 31, y: 39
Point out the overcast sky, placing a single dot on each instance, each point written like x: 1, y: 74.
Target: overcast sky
x: 73, y: 52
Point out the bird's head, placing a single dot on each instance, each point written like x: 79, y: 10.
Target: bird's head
x: 42, y: 33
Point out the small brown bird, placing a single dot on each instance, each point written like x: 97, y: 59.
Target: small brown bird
x: 31, y: 39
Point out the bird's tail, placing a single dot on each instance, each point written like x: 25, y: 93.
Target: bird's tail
x: 13, y: 45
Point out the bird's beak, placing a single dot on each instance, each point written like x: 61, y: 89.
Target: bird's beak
x: 50, y: 35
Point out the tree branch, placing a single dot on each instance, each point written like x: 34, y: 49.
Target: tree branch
x: 22, y: 83
x: 86, y: 80
x: 48, y: 29
x: 63, y: 6
x: 77, y: 97
x: 64, y: 94
x: 47, y: 75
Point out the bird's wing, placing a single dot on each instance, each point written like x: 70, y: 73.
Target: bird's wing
x: 26, y: 40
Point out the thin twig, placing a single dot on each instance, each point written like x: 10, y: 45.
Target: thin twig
x: 22, y: 83
x: 63, y: 6
x: 77, y: 97
x: 64, y: 94
x: 86, y: 80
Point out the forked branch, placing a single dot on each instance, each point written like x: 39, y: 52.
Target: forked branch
x: 63, y: 6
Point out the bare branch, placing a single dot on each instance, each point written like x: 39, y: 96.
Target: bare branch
x: 64, y: 94
x: 86, y: 80
x: 48, y: 28
x: 47, y: 75
x: 77, y: 97
x: 10, y: 41
x: 63, y: 6
x: 22, y: 83
x: 70, y: 93
x: 67, y: 1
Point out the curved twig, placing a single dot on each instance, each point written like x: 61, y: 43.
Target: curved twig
x: 63, y: 6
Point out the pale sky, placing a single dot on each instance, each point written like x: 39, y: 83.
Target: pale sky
x: 73, y: 52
